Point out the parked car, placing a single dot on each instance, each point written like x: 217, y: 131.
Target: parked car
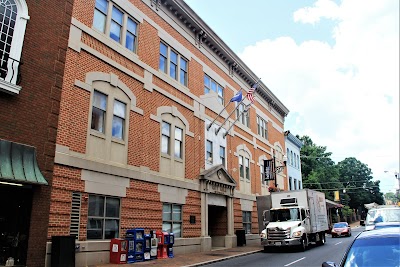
x: 341, y: 229
x: 380, y: 247
x: 382, y: 214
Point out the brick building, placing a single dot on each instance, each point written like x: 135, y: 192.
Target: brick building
x: 141, y: 83
x: 32, y: 54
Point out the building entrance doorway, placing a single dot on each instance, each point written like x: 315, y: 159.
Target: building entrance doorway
x: 15, y: 212
x: 217, y: 225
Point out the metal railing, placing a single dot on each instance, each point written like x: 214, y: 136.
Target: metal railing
x: 10, y: 69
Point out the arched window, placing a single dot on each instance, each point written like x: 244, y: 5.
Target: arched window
x: 13, y: 17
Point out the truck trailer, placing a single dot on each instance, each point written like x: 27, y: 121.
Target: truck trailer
x: 296, y: 218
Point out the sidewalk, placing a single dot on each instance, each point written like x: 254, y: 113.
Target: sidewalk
x: 201, y: 258
x: 194, y: 259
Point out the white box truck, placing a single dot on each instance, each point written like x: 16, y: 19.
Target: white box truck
x: 296, y: 218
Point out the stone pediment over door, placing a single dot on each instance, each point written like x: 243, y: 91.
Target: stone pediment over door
x: 217, y: 180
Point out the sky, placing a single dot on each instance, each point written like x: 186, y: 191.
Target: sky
x: 333, y: 64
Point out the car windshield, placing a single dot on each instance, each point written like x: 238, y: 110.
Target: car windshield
x: 339, y: 225
x: 282, y: 215
x: 383, y: 215
x: 374, y: 252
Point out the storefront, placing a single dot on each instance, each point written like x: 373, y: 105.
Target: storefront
x: 19, y: 176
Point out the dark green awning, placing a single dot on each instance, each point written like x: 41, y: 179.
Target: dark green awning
x: 18, y: 164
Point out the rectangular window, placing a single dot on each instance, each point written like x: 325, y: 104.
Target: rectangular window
x: 99, y: 111
x: 241, y: 168
x: 222, y: 155
x: 295, y: 184
x: 209, y: 151
x: 211, y: 85
x: 116, y: 24
x: 165, y: 138
x: 183, y: 72
x: 163, y: 57
x: 247, y: 221
x: 173, y: 64
x: 172, y: 219
x: 131, y: 31
x: 120, y: 25
x: 118, y: 123
x: 242, y: 115
x: 263, y: 181
x: 290, y: 183
x: 247, y: 166
x: 103, y: 217
x: 178, y: 142
x: 100, y: 15
x: 262, y: 127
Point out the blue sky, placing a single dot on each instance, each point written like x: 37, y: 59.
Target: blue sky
x: 334, y: 64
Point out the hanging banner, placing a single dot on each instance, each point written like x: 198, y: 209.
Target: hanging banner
x: 268, y: 170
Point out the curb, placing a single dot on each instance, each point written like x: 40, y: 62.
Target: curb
x: 222, y: 259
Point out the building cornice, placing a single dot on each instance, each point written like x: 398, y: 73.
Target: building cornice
x: 292, y: 138
x: 206, y: 37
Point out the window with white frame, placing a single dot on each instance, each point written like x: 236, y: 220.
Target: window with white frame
x: 99, y: 111
x: 209, y: 151
x: 173, y: 64
x: 243, y: 115
x: 262, y: 127
x: 178, y: 149
x: 114, y: 22
x: 99, y: 114
x: 290, y: 183
x: 299, y: 187
x: 172, y: 219
x: 244, y: 167
x: 298, y: 161
x: 13, y: 17
x: 166, y: 145
x: 247, y: 221
x: 294, y: 184
x: 211, y: 85
x: 103, y: 217
x: 222, y: 155
x: 118, y: 123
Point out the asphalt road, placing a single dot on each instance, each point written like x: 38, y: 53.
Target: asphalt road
x: 333, y: 250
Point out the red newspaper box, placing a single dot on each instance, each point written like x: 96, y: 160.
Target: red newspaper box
x: 118, y: 250
x: 162, y: 248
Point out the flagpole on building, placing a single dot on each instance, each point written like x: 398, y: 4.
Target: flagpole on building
x: 227, y: 118
x: 209, y: 126
x: 247, y: 108
x: 232, y: 100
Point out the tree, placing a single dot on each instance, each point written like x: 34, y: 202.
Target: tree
x: 356, y: 178
x: 391, y: 197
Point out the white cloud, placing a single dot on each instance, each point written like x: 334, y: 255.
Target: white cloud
x: 345, y: 96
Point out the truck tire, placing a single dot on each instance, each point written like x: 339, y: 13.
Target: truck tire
x: 266, y: 249
x: 303, y: 244
x: 322, y: 239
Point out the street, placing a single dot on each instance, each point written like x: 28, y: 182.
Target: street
x: 333, y: 250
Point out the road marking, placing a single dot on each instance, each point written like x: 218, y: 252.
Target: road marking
x: 295, y: 261
x: 338, y: 243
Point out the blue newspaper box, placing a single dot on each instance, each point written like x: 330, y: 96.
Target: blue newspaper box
x: 147, y: 246
x: 171, y: 242
x: 136, y: 245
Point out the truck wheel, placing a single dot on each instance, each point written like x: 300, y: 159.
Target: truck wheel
x: 322, y: 239
x: 266, y: 249
x: 303, y: 244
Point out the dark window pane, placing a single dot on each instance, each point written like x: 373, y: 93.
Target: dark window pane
x: 94, y: 228
x: 111, y: 229
x: 112, y: 207
x: 96, y: 206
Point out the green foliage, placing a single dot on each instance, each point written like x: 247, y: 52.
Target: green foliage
x: 352, y: 178
x: 347, y: 211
